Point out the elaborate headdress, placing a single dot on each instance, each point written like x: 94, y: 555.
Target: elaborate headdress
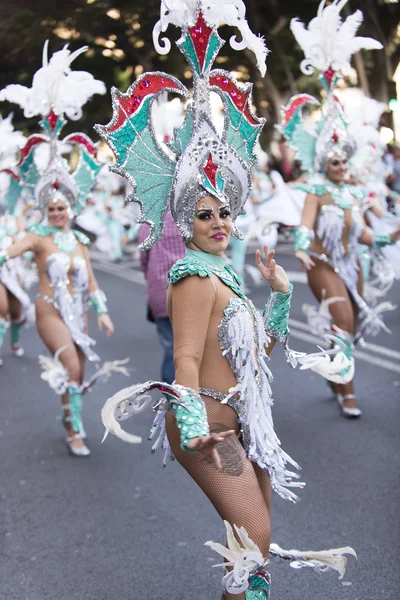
x: 203, y: 162
x: 328, y: 45
x: 56, y: 90
x: 10, y: 142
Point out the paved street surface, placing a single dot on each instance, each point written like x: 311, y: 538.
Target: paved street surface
x: 117, y: 526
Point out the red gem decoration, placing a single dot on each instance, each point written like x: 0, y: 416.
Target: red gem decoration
x: 56, y: 186
x: 200, y: 35
x: 329, y: 75
x: 138, y: 92
x: 210, y: 171
x: 239, y: 98
x: 84, y: 141
x: 335, y: 138
x: 52, y: 120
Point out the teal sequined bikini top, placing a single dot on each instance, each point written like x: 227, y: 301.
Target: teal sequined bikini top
x: 66, y: 241
x: 205, y: 265
x: 342, y: 195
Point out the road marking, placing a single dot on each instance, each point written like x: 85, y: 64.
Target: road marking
x: 299, y: 329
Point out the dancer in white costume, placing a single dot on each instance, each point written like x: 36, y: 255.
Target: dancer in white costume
x: 16, y: 307
x: 332, y: 224
x: 216, y: 419
x: 66, y: 279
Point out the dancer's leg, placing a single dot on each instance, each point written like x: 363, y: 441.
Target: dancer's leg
x: 320, y: 278
x: 55, y: 335
x: 239, y: 493
x: 16, y: 324
x: 3, y: 316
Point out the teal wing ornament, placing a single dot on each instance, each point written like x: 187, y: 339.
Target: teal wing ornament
x: 28, y: 171
x: 293, y: 128
x: 87, y: 169
x: 140, y: 158
x: 14, y: 190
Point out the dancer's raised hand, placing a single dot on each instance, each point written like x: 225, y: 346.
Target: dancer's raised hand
x: 208, y: 444
x: 273, y: 273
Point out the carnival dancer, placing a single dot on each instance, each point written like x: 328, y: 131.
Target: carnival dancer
x: 216, y: 419
x: 16, y: 307
x: 66, y: 278
x: 332, y: 223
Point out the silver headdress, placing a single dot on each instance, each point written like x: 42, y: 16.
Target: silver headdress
x: 203, y: 162
x: 56, y: 90
x: 328, y: 45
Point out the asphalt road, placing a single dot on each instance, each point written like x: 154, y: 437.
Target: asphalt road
x: 117, y: 526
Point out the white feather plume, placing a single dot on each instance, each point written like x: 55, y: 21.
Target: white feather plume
x: 216, y: 12
x: 319, y: 561
x: 55, y: 87
x: 10, y: 141
x: 329, y: 42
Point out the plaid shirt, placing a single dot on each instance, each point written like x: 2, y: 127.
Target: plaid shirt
x: 157, y: 261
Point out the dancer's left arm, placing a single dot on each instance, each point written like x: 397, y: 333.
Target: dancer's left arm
x: 276, y: 276
x: 370, y: 238
x: 98, y: 299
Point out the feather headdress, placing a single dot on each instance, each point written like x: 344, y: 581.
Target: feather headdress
x: 203, y: 160
x: 182, y: 13
x: 55, y: 87
x: 328, y: 45
x: 10, y: 142
x: 328, y: 42
x: 56, y: 90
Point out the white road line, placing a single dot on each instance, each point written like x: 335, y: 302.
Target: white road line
x: 303, y: 335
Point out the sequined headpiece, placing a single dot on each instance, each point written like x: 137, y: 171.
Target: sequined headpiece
x: 328, y: 45
x: 56, y: 90
x: 203, y: 162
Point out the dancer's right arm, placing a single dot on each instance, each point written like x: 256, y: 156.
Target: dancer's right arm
x: 192, y: 303
x: 308, y: 218
x: 28, y: 243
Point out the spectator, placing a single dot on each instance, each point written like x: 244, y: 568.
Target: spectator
x: 156, y: 263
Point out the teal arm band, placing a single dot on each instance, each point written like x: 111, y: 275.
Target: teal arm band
x: 276, y: 315
x: 99, y: 301
x: 302, y: 238
x: 383, y: 239
x: 191, y: 418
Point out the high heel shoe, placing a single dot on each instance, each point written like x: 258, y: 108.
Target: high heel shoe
x: 350, y: 413
x: 81, y: 451
x: 17, y: 351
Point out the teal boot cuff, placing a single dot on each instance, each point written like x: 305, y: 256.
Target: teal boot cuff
x: 75, y: 406
x: 15, y: 331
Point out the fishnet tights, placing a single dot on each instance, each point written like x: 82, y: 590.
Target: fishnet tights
x: 241, y: 491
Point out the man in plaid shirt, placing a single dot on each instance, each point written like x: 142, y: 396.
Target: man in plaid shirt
x: 156, y: 263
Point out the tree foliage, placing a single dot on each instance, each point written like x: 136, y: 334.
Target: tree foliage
x: 119, y: 36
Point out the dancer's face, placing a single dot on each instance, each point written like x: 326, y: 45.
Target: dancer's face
x: 212, y: 226
x: 57, y: 214
x: 337, y: 169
